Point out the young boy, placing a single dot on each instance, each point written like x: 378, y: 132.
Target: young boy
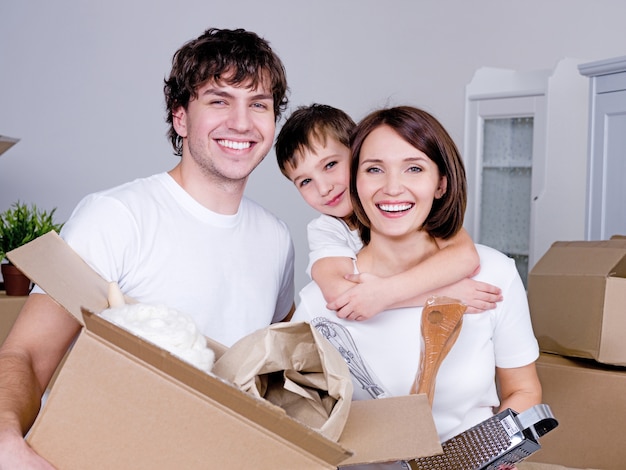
x: 313, y: 151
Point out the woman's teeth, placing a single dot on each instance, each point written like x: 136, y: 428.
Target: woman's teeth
x: 394, y: 207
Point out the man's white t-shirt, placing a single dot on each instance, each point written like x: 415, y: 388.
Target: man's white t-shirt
x: 465, y: 392
x: 232, y: 273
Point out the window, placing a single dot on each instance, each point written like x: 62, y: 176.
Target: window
x: 506, y: 188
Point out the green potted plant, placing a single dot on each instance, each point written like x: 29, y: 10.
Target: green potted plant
x: 19, y: 225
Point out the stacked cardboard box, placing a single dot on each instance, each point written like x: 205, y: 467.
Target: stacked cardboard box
x: 10, y: 307
x: 121, y: 402
x: 577, y: 298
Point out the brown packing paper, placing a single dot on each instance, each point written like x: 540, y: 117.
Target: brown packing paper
x: 294, y: 367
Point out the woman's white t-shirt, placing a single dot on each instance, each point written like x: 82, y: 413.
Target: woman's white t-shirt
x: 465, y: 392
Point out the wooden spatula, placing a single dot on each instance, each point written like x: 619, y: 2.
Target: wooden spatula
x: 442, y: 318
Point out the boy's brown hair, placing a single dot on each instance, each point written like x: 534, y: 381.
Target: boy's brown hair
x: 307, y: 126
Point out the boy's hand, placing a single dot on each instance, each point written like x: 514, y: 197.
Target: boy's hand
x: 371, y: 295
x: 364, y: 300
x: 478, y: 296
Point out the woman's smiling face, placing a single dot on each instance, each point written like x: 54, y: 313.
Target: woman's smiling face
x: 396, y: 183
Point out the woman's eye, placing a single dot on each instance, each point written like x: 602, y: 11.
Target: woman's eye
x: 415, y: 169
x: 373, y: 169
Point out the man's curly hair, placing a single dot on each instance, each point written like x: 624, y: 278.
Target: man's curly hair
x: 236, y: 57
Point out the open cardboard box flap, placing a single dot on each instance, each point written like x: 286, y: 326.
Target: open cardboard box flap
x: 116, y: 391
x: 63, y: 274
x: 577, y: 296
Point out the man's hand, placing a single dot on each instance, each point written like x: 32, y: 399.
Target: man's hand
x: 16, y: 454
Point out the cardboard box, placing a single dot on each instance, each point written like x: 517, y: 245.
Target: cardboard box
x: 526, y: 465
x: 10, y: 307
x: 6, y: 143
x: 577, y: 299
x: 121, y: 402
x: 589, y: 400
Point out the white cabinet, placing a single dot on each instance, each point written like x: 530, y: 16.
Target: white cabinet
x: 526, y: 158
x: 606, y: 198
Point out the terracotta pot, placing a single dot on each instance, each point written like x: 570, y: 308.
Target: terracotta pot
x: 15, y: 281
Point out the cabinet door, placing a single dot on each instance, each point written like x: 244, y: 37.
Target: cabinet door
x: 504, y: 176
x: 607, y: 188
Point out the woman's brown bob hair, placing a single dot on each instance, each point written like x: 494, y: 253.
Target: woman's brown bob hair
x: 425, y: 133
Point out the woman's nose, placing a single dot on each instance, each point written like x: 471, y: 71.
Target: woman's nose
x: 392, y: 184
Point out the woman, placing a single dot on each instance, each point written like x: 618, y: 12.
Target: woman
x: 408, y: 187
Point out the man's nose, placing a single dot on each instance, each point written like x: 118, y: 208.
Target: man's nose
x: 239, y: 118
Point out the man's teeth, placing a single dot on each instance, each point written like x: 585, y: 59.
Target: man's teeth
x: 394, y: 207
x: 231, y: 144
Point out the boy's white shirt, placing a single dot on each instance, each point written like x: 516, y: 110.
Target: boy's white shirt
x: 331, y: 237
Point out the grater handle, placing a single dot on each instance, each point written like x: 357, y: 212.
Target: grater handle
x: 539, y: 418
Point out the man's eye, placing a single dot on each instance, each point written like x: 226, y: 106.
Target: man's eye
x: 261, y: 106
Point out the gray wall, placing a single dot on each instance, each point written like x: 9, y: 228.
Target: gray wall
x: 81, y: 81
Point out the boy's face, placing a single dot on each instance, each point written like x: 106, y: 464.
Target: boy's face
x: 323, y: 177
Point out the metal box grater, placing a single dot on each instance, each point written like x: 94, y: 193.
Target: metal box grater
x: 503, y: 439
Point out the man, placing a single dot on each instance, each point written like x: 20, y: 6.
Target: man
x: 188, y: 238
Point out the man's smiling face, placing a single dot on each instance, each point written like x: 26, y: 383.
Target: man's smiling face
x: 227, y: 129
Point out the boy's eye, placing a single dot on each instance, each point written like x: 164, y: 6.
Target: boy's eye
x: 305, y: 181
x: 330, y: 165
